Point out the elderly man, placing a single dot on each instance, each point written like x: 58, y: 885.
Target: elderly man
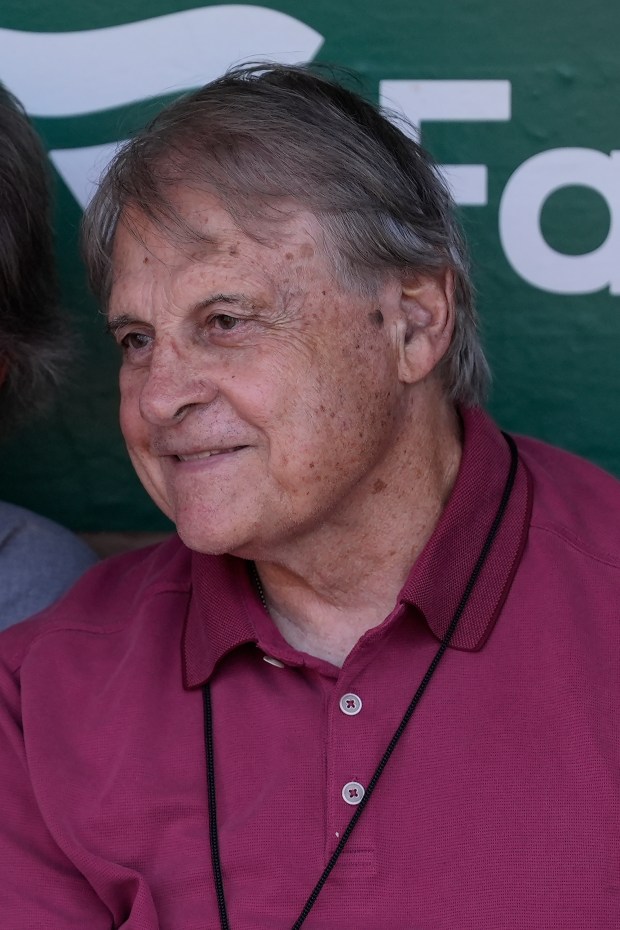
x: 374, y: 683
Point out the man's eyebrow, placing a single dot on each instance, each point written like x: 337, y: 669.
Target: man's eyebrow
x: 221, y: 298
x: 114, y: 323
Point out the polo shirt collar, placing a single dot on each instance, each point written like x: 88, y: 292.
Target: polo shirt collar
x: 224, y: 599
x: 440, y: 575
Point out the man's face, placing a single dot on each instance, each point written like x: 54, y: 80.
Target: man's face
x: 259, y: 399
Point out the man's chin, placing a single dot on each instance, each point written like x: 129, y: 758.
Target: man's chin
x: 205, y: 543
x: 217, y: 540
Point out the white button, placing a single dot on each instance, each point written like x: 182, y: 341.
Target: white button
x: 353, y: 792
x: 273, y: 661
x: 350, y: 704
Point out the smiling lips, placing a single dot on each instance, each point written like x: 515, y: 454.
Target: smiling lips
x: 206, y: 455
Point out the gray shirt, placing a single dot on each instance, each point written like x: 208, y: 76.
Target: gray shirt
x: 39, y: 560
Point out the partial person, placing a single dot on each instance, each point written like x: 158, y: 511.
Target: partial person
x: 39, y: 559
x: 373, y: 682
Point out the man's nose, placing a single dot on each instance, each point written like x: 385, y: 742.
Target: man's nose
x: 176, y: 383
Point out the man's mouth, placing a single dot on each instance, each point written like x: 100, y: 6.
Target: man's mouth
x: 195, y: 456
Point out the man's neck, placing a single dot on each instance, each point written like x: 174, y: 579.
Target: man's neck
x: 328, y: 590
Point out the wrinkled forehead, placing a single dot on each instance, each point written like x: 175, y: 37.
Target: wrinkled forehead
x: 198, y: 222
x: 195, y: 228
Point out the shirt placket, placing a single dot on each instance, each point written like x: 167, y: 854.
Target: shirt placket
x: 350, y: 763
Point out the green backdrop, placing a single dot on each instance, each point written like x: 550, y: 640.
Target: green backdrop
x: 553, y: 344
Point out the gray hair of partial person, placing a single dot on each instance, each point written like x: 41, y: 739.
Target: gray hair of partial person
x: 262, y: 136
x: 33, y: 340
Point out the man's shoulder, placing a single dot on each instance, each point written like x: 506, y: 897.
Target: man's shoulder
x: 23, y: 531
x: 39, y: 560
x: 574, y: 499
x: 106, y: 598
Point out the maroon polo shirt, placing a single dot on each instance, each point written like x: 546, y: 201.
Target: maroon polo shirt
x: 499, y: 809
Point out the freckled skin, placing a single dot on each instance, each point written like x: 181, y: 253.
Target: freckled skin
x: 302, y: 380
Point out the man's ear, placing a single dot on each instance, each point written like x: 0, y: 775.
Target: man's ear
x: 426, y: 323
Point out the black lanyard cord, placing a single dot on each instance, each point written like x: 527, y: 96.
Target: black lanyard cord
x: 208, y: 720
x: 213, y: 836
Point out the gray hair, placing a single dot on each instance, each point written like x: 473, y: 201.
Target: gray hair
x: 33, y: 336
x: 265, y: 134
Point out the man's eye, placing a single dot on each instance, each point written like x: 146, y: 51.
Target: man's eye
x: 134, y: 341
x: 225, y: 321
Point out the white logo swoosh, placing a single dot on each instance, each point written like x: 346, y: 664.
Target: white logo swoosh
x: 70, y: 73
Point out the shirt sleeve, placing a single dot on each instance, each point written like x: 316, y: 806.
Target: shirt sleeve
x: 40, y: 888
